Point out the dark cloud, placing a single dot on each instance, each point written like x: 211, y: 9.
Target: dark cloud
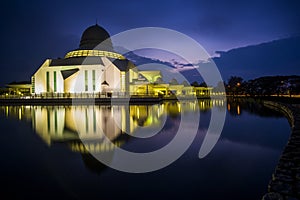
x: 34, y: 30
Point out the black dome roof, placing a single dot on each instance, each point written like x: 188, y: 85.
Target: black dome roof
x: 93, y: 36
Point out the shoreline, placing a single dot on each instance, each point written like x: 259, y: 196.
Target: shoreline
x: 92, y: 101
x: 285, y: 181
x: 131, y: 100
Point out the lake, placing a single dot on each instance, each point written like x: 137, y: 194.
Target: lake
x: 49, y: 152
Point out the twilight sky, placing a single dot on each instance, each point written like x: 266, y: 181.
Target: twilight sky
x: 32, y: 31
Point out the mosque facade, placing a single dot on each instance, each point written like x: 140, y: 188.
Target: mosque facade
x: 92, y: 68
x: 95, y: 69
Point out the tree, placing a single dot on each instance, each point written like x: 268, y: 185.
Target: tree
x: 195, y: 84
x: 220, y: 87
x: 173, y: 81
x: 159, y: 81
x: 185, y: 83
x: 235, y: 85
x: 235, y: 81
x: 203, y: 84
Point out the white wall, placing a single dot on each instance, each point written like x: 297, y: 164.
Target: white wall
x: 76, y: 82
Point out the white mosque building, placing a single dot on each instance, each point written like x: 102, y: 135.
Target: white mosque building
x: 96, y: 70
x: 93, y: 68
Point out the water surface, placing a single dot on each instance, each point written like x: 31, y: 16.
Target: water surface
x: 47, y: 151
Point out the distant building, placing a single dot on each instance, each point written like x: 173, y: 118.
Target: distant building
x: 19, y: 88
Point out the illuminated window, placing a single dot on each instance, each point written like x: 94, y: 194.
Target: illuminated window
x: 33, y: 84
x: 86, y: 80
x: 123, y: 82
x: 94, y: 80
x: 47, y: 81
x: 54, y: 79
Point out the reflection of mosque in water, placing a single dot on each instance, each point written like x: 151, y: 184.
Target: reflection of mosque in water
x: 83, y: 128
x: 90, y: 124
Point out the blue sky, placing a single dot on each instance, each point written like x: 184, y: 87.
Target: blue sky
x: 35, y: 30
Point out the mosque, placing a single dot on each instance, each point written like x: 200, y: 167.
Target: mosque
x: 95, y: 69
x: 92, y: 68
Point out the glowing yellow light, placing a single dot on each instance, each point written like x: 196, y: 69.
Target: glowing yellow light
x: 20, y: 114
x: 179, y: 106
x: 81, y: 53
x: 238, y: 110
x: 6, y: 111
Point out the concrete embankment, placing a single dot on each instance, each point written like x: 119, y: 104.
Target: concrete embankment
x: 285, y: 182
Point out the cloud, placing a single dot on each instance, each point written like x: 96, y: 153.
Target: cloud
x: 180, y: 67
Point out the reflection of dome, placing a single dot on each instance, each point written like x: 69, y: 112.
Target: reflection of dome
x: 93, y: 36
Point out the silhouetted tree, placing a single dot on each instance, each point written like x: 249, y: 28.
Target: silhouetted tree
x: 203, y: 84
x: 220, y: 87
x: 235, y: 85
x: 173, y: 81
x: 185, y: 83
x: 195, y: 84
x: 159, y: 81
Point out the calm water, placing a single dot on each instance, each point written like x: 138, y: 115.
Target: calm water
x: 43, y: 157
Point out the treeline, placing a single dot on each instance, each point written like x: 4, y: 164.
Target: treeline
x: 263, y: 86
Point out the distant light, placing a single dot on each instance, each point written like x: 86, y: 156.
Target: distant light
x: 20, y: 114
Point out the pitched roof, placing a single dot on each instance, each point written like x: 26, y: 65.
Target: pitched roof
x: 90, y: 60
x: 122, y: 65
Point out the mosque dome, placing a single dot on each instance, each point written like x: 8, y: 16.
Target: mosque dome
x: 93, y: 36
x: 95, y: 41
